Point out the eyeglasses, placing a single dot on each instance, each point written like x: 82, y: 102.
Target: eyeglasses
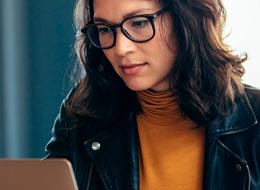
x: 138, y: 28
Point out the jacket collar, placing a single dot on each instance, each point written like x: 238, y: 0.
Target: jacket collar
x: 240, y: 118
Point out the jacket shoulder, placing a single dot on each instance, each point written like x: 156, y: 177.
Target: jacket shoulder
x: 253, y: 91
x: 253, y: 96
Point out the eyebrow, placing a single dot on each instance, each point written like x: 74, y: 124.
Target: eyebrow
x: 137, y: 12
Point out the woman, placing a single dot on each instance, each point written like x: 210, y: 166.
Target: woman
x: 159, y: 102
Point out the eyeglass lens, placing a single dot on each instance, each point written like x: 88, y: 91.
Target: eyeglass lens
x: 138, y: 29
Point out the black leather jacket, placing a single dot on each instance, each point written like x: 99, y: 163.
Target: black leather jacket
x: 105, y: 154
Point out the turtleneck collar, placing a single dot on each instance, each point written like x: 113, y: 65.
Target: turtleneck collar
x: 160, y: 108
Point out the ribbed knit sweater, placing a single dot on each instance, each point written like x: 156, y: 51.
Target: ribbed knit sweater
x: 171, y: 148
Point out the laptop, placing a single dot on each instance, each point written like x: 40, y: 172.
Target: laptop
x: 36, y: 174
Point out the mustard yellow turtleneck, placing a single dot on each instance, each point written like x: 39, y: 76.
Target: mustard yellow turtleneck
x: 171, y: 146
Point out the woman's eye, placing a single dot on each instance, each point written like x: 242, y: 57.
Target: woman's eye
x: 103, y: 30
x: 140, y: 23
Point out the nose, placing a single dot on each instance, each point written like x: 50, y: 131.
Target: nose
x: 123, y: 45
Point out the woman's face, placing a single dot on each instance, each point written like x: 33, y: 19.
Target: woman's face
x: 141, y: 65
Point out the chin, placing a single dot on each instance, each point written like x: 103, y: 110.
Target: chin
x: 137, y: 87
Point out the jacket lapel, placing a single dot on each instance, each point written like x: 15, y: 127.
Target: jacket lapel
x: 115, y: 154
x: 223, y: 168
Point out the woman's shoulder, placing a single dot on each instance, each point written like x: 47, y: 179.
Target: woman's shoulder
x: 70, y: 118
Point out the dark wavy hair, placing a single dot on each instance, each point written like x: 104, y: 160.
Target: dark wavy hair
x: 206, y: 76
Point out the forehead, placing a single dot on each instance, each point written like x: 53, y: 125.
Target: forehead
x: 118, y: 9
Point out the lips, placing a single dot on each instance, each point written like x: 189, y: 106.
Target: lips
x: 132, y: 69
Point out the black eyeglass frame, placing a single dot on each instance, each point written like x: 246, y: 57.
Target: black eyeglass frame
x: 150, y: 18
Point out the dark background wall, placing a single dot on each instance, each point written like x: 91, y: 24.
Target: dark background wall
x: 36, y: 40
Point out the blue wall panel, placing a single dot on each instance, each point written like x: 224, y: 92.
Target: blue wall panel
x: 36, y: 42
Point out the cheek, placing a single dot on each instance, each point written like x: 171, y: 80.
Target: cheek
x: 168, y: 48
x: 165, y: 32
x: 165, y: 51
